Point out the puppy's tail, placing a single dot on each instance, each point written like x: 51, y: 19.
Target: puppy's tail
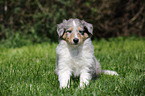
x: 108, y: 72
x: 99, y: 71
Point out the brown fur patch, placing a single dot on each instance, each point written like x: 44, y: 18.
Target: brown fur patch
x: 79, y: 28
x: 70, y: 39
x: 64, y: 35
x: 86, y: 35
x: 71, y: 28
x: 80, y: 37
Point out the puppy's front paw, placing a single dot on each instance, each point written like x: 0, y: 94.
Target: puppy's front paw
x: 83, y: 84
x: 64, y: 86
x: 84, y: 79
x: 64, y: 80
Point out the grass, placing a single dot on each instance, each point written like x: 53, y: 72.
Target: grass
x: 29, y: 70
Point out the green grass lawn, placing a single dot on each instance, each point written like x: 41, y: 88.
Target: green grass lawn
x: 29, y: 70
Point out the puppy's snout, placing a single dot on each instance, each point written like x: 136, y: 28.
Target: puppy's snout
x: 76, y: 40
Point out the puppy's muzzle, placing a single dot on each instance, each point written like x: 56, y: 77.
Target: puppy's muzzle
x: 75, y: 40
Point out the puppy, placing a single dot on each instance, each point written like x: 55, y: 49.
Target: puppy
x: 75, y: 53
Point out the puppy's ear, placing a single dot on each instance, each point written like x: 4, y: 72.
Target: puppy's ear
x: 88, y: 26
x: 60, y: 28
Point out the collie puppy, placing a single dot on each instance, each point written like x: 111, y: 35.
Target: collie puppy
x: 75, y: 53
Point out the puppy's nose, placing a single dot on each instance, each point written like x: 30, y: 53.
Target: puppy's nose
x: 76, y: 40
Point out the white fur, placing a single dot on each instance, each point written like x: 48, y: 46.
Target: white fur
x: 109, y: 72
x: 75, y: 32
x: 74, y: 23
x: 78, y: 60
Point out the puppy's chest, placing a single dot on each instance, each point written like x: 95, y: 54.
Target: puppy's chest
x: 76, y: 56
x: 79, y: 57
x: 79, y: 60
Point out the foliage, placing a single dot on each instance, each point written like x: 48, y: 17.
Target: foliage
x: 36, y: 20
x: 29, y: 70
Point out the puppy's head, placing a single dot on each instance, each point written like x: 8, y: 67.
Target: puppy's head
x: 74, y: 31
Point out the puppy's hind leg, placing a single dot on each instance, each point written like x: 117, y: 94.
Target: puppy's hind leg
x: 98, y: 67
x: 99, y: 71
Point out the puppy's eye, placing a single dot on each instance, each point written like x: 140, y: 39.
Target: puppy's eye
x: 69, y: 31
x: 82, y: 32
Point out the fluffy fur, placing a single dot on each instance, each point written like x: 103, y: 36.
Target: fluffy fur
x: 77, y: 59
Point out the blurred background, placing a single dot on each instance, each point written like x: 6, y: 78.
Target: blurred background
x: 25, y: 22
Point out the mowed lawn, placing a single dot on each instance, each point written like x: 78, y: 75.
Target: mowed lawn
x: 29, y: 70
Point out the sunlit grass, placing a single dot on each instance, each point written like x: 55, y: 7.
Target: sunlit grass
x: 29, y: 70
